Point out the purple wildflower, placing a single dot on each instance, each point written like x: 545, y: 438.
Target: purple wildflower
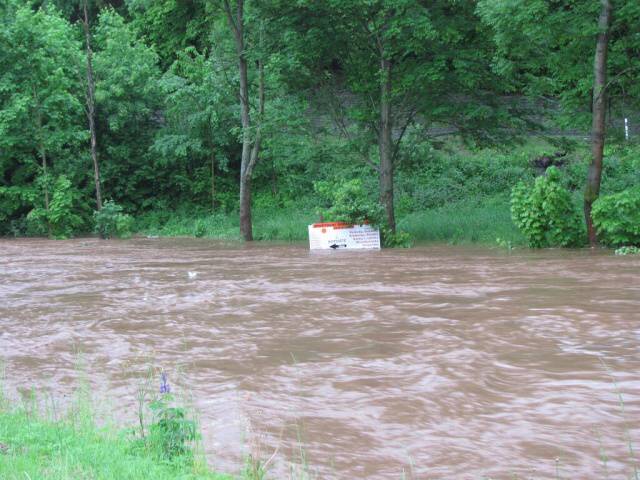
x: 164, y: 384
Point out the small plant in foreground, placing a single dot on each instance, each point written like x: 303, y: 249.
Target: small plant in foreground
x: 254, y: 469
x: 170, y: 433
x: 111, y: 222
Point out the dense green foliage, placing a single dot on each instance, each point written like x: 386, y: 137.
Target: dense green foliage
x: 459, y: 87
x: 545, y: 213
x: 628, y: 251
x: 546, y: 49
x: 61, y: 218
x: 111, y: 222
x: 349, y: 202
x: 617, y: 217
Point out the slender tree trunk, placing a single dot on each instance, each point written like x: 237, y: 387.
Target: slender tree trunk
x: 91, y: 106
x: 237, y: 26
x: 43, y: 160
x: 246, y: 173
x: 274, y: 178
x: 384, y: 144
x: 246, y: 228
x: 213, y: 180
x: 43, y: 157
x: 250, y: 150
x: 598, y: 127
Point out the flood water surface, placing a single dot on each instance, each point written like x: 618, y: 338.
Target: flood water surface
x: 439, y: 362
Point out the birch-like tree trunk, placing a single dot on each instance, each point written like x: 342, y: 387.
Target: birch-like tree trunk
x: 42, y: 152
x: 213, y: 180
x: 250, y: 147
x: 91, y: 105
x: 384, y: 143
x: 598, y: 127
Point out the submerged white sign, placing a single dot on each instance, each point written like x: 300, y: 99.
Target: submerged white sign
x: 337, y: 235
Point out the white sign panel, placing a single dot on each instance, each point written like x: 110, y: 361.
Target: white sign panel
x: 340, y: 236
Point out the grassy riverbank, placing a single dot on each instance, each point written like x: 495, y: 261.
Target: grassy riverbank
x: 486, y: 221
x: 34, y: 447
x: 457, y: 196
x: 269, y: 224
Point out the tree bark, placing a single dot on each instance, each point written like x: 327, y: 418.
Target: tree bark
x: 384, y: 144
x: 213, y: 180
x: 250, y: 149
x: 43, y: 159
x: 91, y: 106
x: 598, y: 127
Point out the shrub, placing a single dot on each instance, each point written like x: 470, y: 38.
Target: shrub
x: 199, y: 228
x: 15, y: 203
x: 545, y: 214
x: 171, y: 431
x: 111, y: 222
x: 628, y: 251
x: 61, y: 219
x: 617, y: 217
x: 349, y: 202
x: 399, y: 239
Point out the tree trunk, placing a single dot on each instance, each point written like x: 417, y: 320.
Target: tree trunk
x: 91, y: 108
x: 246, y: 229
x: 43, y: 159
x: 213, y: 181
x: 384, y: 144
x: 598, y: 127
x: 250, y: 150
x: 237, y: 26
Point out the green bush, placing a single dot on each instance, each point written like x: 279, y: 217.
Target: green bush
x: 172, y: 431
x: 199, y: 228
x: 617, y: 217
x: 348, y: 201
x: 628, y: 251
x: 399, y: 239
x: 545, y: 213
x: 15, y: 203
x: 111, y: 222
x: 61, y: 219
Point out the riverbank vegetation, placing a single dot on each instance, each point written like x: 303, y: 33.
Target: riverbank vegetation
x: 34, y: 448
x: 36, y: 444
x: 42, y: 439
x: 242, y: 119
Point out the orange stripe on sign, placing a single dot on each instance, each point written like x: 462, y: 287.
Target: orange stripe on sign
x: 332, y: 225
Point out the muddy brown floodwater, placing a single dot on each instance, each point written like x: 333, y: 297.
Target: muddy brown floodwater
x: 439, y: 362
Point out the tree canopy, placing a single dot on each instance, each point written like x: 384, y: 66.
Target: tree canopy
x: 198, y: 101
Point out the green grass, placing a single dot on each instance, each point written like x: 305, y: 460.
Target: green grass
x: 281, y: 225
x: 64, y: 450
x: 34, y: 447
x: 468, y: 221
x: 483, y: 221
